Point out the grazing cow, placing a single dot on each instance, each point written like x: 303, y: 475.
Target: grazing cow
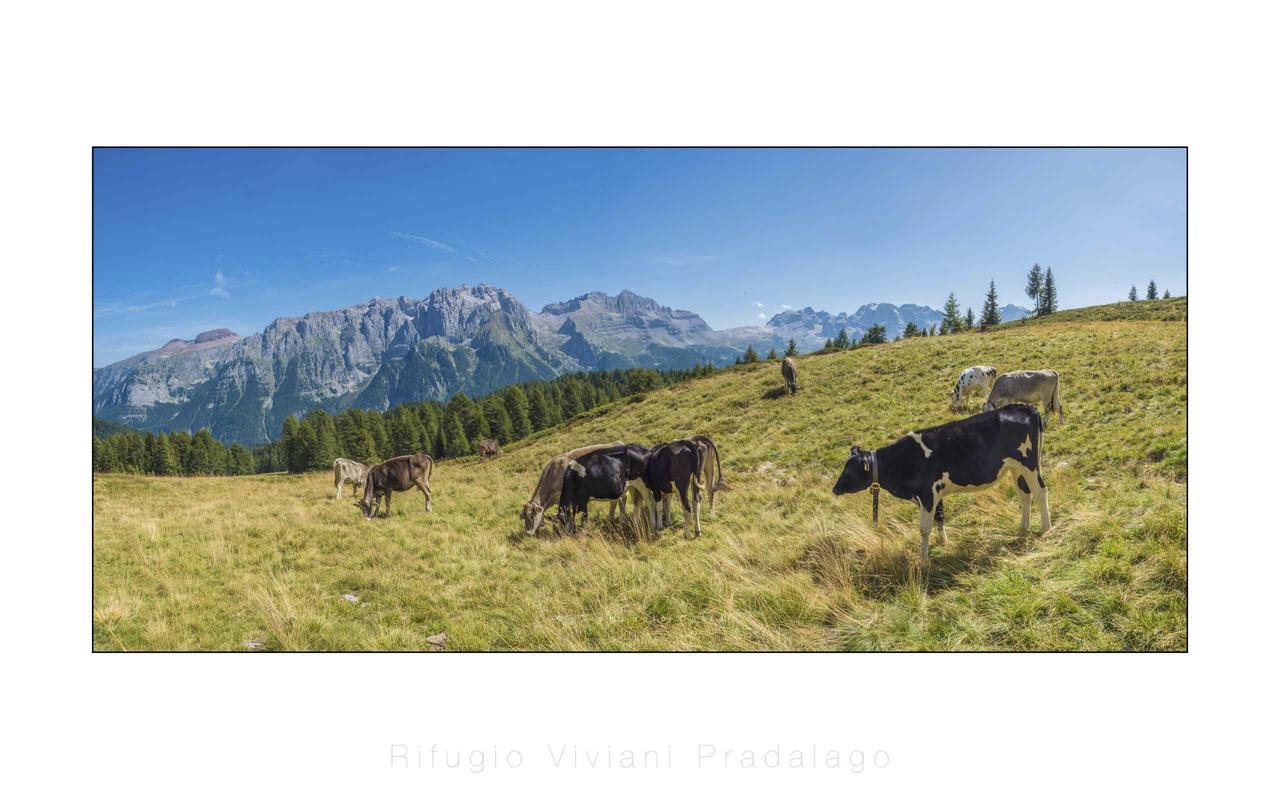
x: 398, y: 474
x: 712, y: 477
x: 789, y: 375
x: 608, y: 474
x: 974, y: 380
x: 1028, y: 386
x: 967, y: 455
x: 550, y: 485
x: 487, y: 448
x: 345, y: 470
x: 676, y: 467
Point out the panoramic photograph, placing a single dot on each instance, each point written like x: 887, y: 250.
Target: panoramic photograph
x: 639, y: 399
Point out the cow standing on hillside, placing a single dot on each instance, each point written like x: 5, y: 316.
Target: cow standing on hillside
x: 607, y: 474
x: 488, y: 448
x: 973, y: 381
x: 967, y: 455
x: 712, y: 477
x: 398, y: 474
x: 1028, y: 386
x: 677, y: 467
x: 550, y: 486
x: 789, y: 375
x: 347, y: 471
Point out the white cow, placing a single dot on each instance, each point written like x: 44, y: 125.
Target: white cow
x: 345, y: 470
x: 974, y: 380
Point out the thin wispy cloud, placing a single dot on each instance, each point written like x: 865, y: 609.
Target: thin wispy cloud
x: 1166, y: 201
x: 422, y: 240
x: 478, y: 252
x: 761, y: 316
x: 395, y: 268
x: 107, y: 309
x: 758, y: 304
x: 220, y: 286
x: 785, y: 307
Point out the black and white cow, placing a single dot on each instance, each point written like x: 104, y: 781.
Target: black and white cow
x: 973, y: 381
x: 967, y: 455
x: 609, y: 473
x: 677, y: 467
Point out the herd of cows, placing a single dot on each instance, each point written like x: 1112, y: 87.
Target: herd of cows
x: 964, y: 455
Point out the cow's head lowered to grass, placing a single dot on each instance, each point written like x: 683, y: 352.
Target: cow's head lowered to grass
x: 531, y: 515
x: 857, y: 472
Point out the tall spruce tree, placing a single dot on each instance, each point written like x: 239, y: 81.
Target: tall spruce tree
x: 1152, y: 294
x: 495, y: 413
x: 517, y: 403
x: 876, y: 334
x: 950, y: 315
x: 1133, y: 294
x: 1034, y: 288
x: 792, y: 350
x: 1166, y: 294
x: 751, y: 356
x: 969, y: 319
x: 991, y: 307
x: 842, y: 341
x: 910, y: 330
x: 539, y: 410
x: 1048, y: 294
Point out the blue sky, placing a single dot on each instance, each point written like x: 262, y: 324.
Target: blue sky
x: 188, y: 240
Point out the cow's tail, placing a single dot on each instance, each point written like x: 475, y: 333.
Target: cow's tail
x: 719, y: 483
x: 699, y: 454
x: 1057, y: 404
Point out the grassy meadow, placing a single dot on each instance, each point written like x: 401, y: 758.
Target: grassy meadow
x: 264, y: 562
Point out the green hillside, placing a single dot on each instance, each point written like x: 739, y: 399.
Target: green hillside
x: 215, y: 563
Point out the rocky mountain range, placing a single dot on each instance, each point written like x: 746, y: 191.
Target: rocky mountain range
x: 472, y: 339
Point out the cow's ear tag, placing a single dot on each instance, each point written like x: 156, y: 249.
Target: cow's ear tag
x: 866, y: 467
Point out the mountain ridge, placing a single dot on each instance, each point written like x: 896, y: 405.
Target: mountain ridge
x: 471, y: 339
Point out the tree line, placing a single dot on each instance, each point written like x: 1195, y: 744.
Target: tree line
x: 1151, y: 292
x: 444, y: 430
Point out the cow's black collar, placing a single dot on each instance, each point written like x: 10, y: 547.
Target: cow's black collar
x: 875, y: 490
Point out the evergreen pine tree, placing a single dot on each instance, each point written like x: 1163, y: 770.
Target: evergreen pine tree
x: 239, y: 460
x: 911, y: 330
x: 842, y: 340
x: 950, y: 315
x: 876, y: 334
x: 539, y: 410
x: 792, y: 350
x: 455, y: 436
x: 495, y: 413
x: 1133, y: 294
x: 751, y: 356
x: 828, y: 345
x: 1152, y: 294
x: 164, y: 461
x: 1035, y: 286
x: 1166, y: 294
x: 991, y: 307
x: 1049, y: 294
x: 773, y: 355
x: 517, y: 404
x: 969, y: 320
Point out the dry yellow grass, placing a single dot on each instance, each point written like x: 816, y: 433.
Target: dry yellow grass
x: 265, y: 561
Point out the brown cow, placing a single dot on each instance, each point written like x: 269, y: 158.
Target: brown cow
x: 487, y: 448
x: 398, y: 474
x: 789, y: 375
x: 551, y: 486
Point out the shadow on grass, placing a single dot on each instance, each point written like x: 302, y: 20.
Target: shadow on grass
x: 878, y: 566
x: 775, y: 393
